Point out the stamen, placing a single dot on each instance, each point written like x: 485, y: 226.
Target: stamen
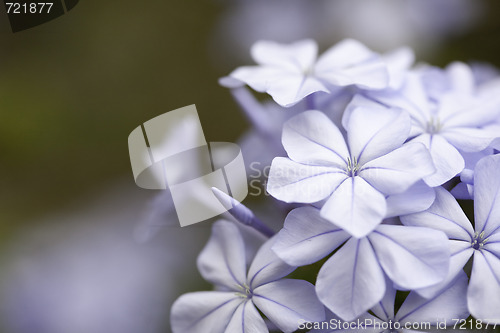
x: 478, y: 242
x: 309, y: 71
x: 352, y: 166
x: 246, y: 291
x: 434, y: 125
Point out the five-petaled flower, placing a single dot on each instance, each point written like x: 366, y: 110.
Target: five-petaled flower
x: 232, y: 308
x: 482, y: 242
x: 290, y: 72
x: 416, y: 314
x: 353, y: 279
x: 448, y: 121
x: 354, y: 176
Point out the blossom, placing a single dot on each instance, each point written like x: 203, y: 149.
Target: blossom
x: 233, y: 307
x: 449, y: 115
x: 354, y: 176
x: 353, y: 279
x: 482, y: 242
x: 290, y: 72
x: 415, y: 314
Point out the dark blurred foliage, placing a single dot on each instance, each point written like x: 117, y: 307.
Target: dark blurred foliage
x: 480, y: 44
x: 72, y: 90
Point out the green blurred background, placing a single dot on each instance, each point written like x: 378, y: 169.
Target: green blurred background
x: 72, y: 90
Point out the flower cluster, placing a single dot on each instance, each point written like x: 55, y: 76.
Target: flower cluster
x: 377, y: 150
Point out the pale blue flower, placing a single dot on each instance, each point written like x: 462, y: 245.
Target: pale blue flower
x: 290, y: 72
x: 354, y: 176
x: 449, y: 114
x: 233, y: 307
x: 353, y: 279
x: 416, y: 314
x: 482, y: 242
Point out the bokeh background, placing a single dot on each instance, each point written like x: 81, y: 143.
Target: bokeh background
x: 71, y: 91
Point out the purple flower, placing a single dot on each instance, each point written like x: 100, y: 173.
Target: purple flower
x: 354, y: 176
x: 290, y: 72
x: 415, y: 314
x: 482, y: 242
x: 449, y: 115
x: 353, y: 279
x: 232, y: 308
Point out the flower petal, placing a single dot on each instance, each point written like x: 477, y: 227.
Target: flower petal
x: 290, y: 181
x: 267, y: 266
x: 222, y: 261
x: 493, y: 244
x: 291, y: 89
x: 447, y: 160
x: 412, y: 98
x: 350, y: 62
x: 355, y: 206
x: 246, y: 319
x: 471, y: 139
x: 398, y: 63
x: 487, y: 195
x: 312, y: 138
x: 287, y: 88
x: 484, y: 287
x: 360, y: 101
x: 461, y: 78
x: 200, y: 312
x: 385, y: 308
x: 449, y: 304
x: 458, y: 110
x: 446, y: 215
x: 374, y: 133
x: 460, y: 253
x: 306, y: 237
x: 396, y: 171
x: 416, y: 199
x: 289, y: 302
x: 351, y: 281
x: 412, y: 257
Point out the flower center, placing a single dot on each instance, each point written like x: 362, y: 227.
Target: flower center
x: 478, y: 241
x: 246, y: 292
x: 352, y: 167
x: 309, y: 71
x: 434, y: 125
